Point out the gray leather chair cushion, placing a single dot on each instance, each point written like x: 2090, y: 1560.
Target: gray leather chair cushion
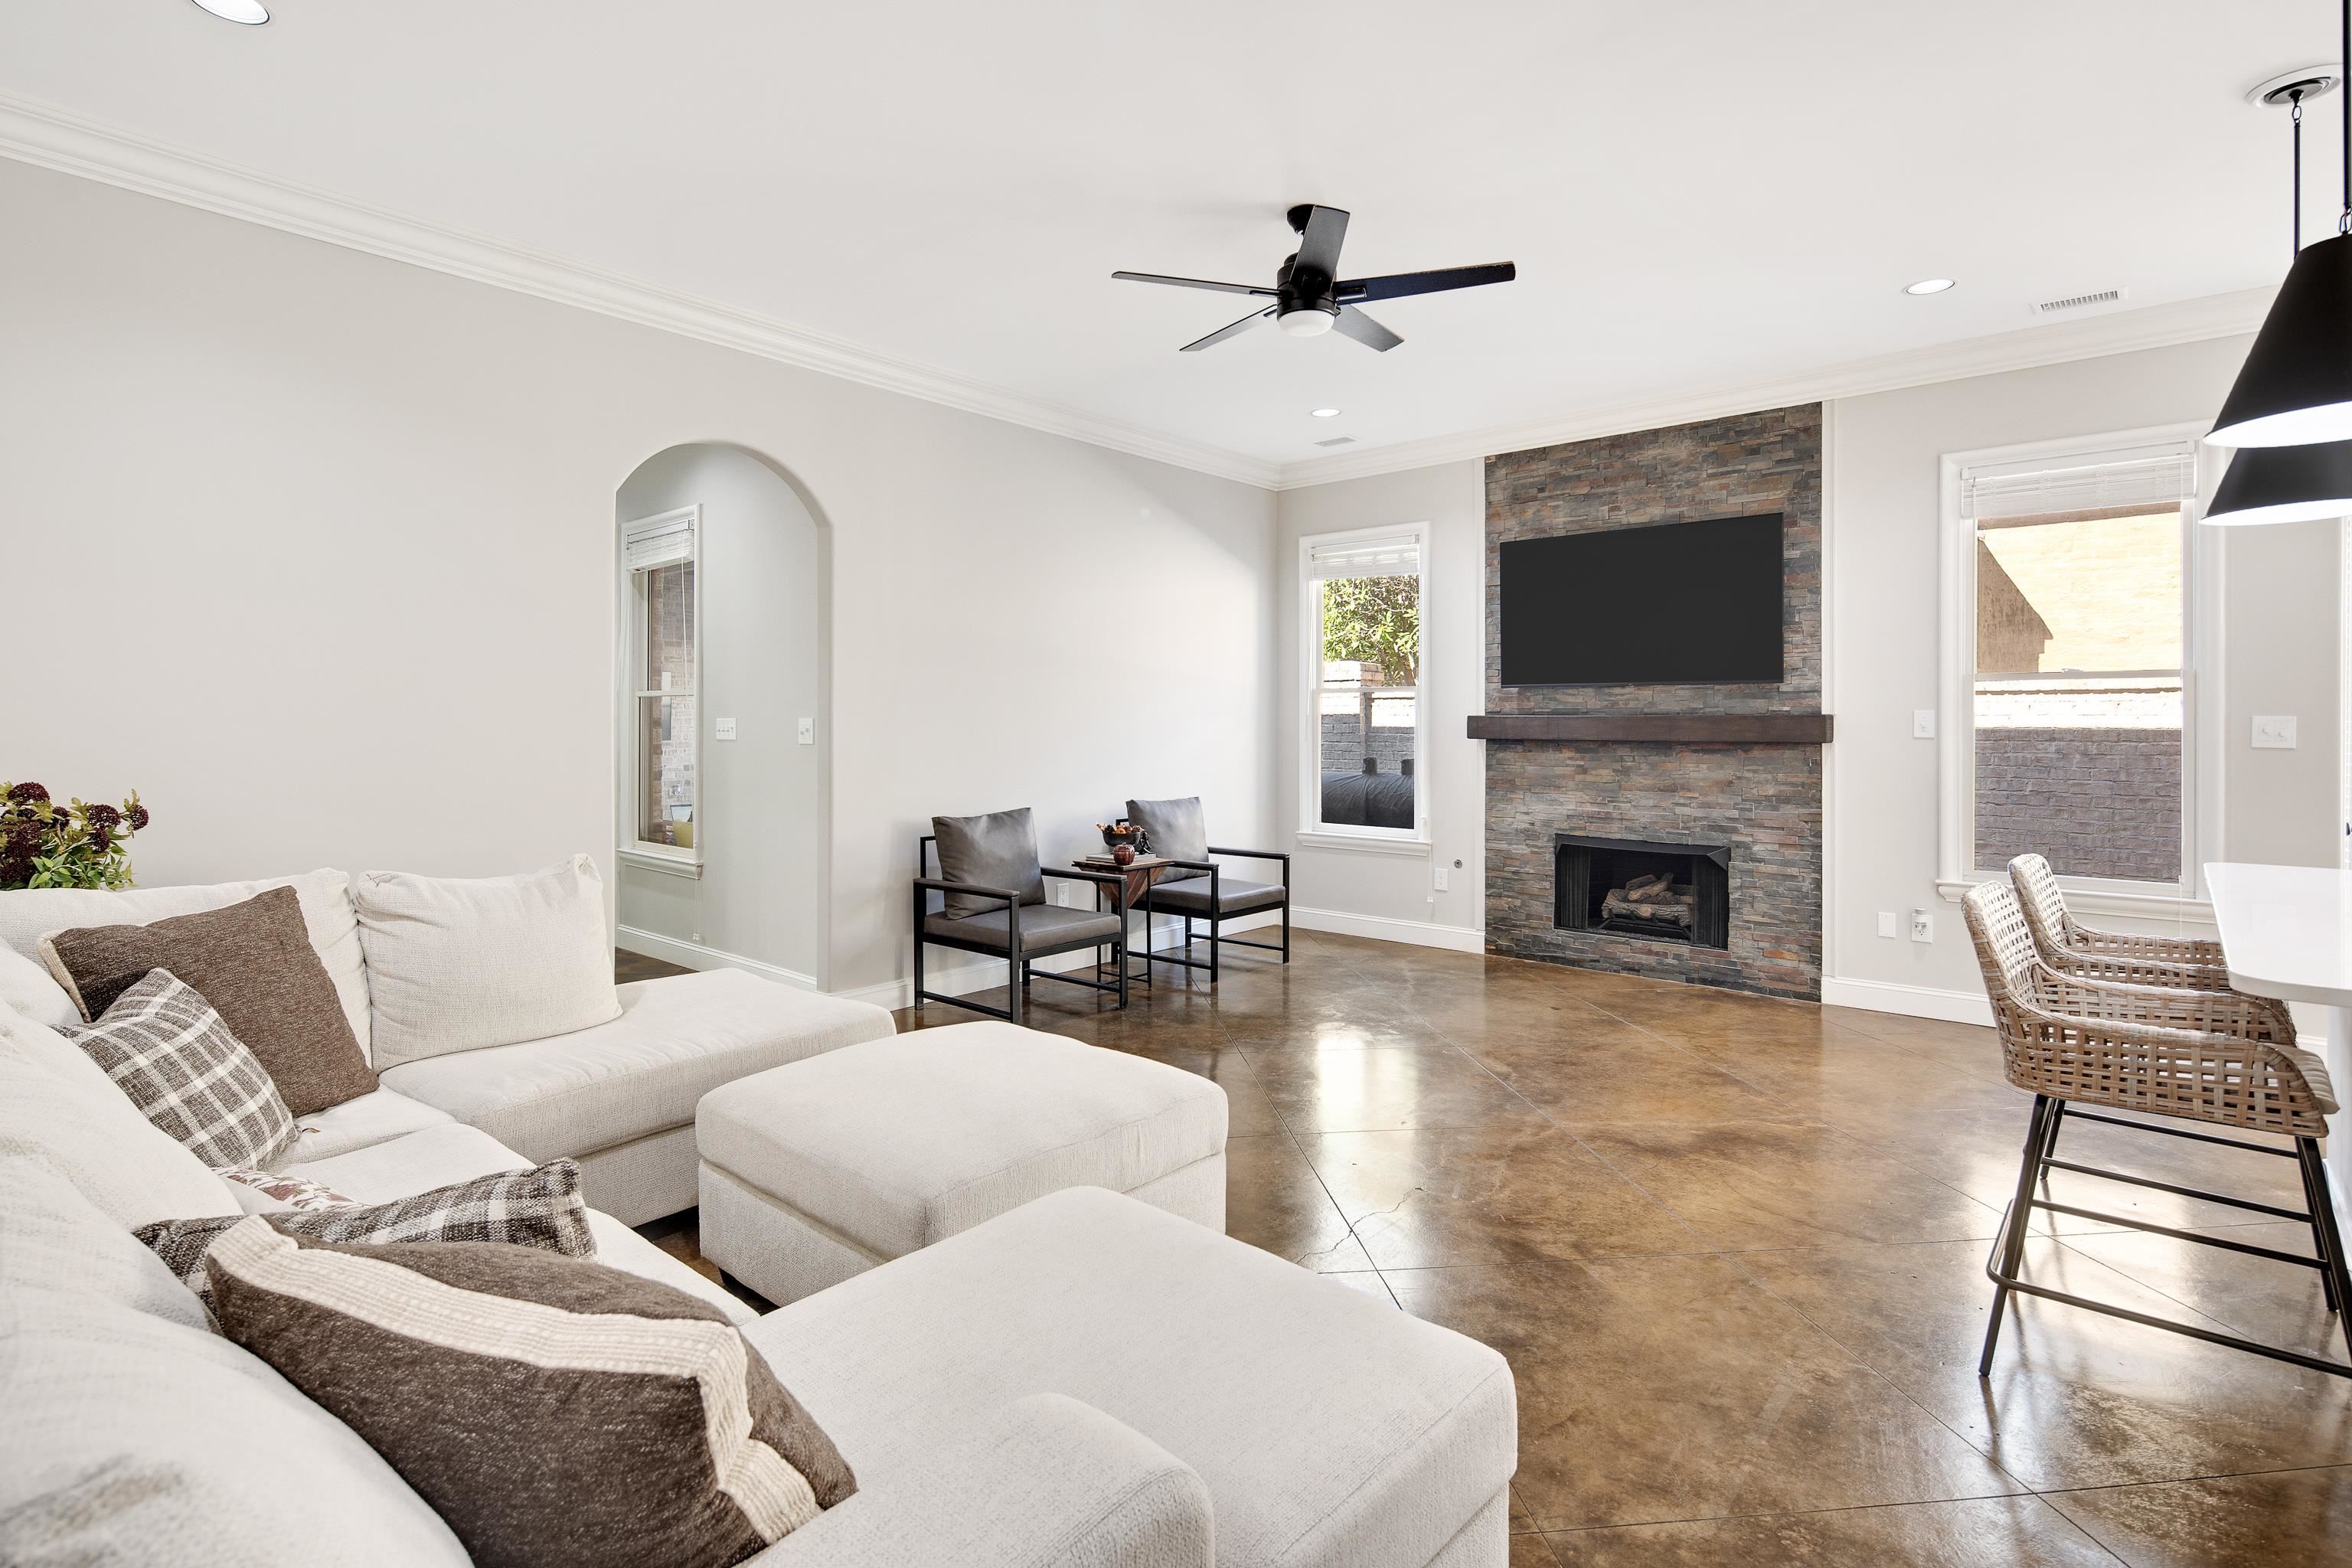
x: 999, y: 851
x: 1234, y: 896
x: 1043, y: 926
x: 1178, y: 831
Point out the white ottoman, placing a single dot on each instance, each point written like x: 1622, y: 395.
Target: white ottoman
x: 820, y: 1169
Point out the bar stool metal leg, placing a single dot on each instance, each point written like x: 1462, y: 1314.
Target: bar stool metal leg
x: 2014, y: 1224
x: 2333, y: 1268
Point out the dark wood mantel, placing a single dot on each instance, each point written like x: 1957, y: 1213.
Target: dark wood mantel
x: 1689, y: 729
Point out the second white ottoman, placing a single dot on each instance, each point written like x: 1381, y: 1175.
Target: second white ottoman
x: 820, y: 1169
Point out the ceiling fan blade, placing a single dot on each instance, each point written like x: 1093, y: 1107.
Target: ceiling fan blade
x: 1397, y: 285
x: 1195, y: 283
x: 1318, y: 243
x: 1222, y: 333
x: 1364, y: 330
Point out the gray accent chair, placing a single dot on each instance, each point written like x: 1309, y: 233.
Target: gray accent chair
x: 1178, y: 832
x: 991, y: 892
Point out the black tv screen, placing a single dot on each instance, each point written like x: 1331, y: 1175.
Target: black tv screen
x: 1679, y: 604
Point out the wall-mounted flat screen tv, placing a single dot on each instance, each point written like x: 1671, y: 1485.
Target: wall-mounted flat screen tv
x: 1679, y: 604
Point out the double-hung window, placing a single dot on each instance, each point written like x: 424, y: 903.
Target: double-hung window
x: 2070, y: 590
x: 1366, y: 719
x: 664, y: 667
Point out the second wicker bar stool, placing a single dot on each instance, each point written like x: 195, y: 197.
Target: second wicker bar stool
x: 2201, y: 1056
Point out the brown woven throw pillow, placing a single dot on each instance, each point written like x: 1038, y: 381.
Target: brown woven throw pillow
x: 550, y: 1410
x: 254, y: 963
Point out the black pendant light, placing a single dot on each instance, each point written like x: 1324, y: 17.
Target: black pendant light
x: 2297, y: 384
x: 2287, y: 484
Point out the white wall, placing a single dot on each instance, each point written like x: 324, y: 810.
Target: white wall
x: 328, y: 571
x: 759, y: 818
x: 2279, y: 636
x: 1381, y: 894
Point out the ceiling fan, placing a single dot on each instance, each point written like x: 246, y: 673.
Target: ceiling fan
x: 1310, y: 296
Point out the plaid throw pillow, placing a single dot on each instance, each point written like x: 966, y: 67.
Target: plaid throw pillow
x: 541, y: 1209
x: 165, y: 1047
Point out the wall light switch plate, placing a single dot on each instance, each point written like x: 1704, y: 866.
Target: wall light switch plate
x: 2274, y: 732
x: 1923, y: 723
x: 808, y: 733
x: 1437, y: 878
x: 1887, y: 924
x: 725, y: 730
x: 1923, y: 926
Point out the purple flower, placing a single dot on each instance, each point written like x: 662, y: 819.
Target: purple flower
x: 138, y: 818
x: 102, y: 816
x: 101, y: 840
x: 28, y: 791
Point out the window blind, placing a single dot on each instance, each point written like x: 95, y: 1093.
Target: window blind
x: 657, y: 541
x: 1394, y: 556
x: 2158, y: 475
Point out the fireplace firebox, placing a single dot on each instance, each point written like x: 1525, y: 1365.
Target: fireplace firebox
x: 1643, y: 890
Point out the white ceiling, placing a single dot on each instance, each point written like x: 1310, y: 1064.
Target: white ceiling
x: 1696, y: 194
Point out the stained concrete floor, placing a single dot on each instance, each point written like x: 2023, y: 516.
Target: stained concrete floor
x: 1734, y: 1247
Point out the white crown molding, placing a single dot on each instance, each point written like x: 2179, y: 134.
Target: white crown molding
x: 2117, y: 331
x: 54, y: 137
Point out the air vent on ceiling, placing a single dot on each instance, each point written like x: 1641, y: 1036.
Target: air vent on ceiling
x: 1338, y: 441
x: 2080, y: 302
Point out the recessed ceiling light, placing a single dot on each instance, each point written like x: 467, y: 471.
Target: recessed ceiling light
x: 1925, y: 285
x: 251, y: 12
x: 1324, y: 413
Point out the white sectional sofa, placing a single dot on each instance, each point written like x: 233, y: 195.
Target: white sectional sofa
x: 1083, y: 1381
x: 619, y: 1098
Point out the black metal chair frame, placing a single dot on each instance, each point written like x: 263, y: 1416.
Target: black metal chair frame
x: 1216, y: 920
x: 1018, y: 956
x: 2002, y: 1265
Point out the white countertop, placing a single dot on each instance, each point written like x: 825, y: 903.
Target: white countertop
x: 2286, y: 931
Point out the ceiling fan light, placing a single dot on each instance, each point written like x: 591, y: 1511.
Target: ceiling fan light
x: 1306, y: 322
x: 2285, y: 484
x: 247, y: 13
x: 2296, y: 386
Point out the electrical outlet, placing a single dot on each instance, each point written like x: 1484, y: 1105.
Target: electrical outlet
x: 1923, y: 723
x: 1887, y: 925
x: 1923, y: 926
x: 723, y: 729
x: 1437, y: 878
x: 693, y: 936
x: 2274, y: 732
x: 808, y: 733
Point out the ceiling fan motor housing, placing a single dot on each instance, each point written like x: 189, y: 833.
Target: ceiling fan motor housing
x: 1303, y: 305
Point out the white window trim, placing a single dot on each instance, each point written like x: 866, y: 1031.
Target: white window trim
x: 2201, y: 688
x: 1313, y: 832
x: 666, y: 858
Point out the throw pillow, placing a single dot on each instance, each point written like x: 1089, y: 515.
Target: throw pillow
x: 458, y: 964
x: 550, y: 1410
x: 999, y: 851
x: 165, y: 1047
x: 541, y: 1209
x: 286, y: 1191
x: 1178, y: 831
x: 254, y: 963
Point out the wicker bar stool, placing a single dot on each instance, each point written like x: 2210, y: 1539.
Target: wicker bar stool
x: 2199, y: 1056
x: 2180, y: 964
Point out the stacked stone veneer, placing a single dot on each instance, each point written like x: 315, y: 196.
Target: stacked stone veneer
x: 1764, y: 802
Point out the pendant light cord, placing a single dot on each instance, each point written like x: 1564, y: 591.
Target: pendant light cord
x: 2294, y: 227
x: 2343, y: 65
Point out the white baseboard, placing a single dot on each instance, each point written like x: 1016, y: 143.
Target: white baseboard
x: 1912, y: 1001
x: 1380, y: 928
x: 694, y: 956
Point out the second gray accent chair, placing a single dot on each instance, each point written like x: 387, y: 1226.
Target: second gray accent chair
x: 991, y: 889
x: 1178, y: 832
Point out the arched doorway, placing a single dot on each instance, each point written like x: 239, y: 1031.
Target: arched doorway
x: 722, y: 737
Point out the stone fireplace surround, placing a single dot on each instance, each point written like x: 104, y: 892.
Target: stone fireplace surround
x: 1760, y: 798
